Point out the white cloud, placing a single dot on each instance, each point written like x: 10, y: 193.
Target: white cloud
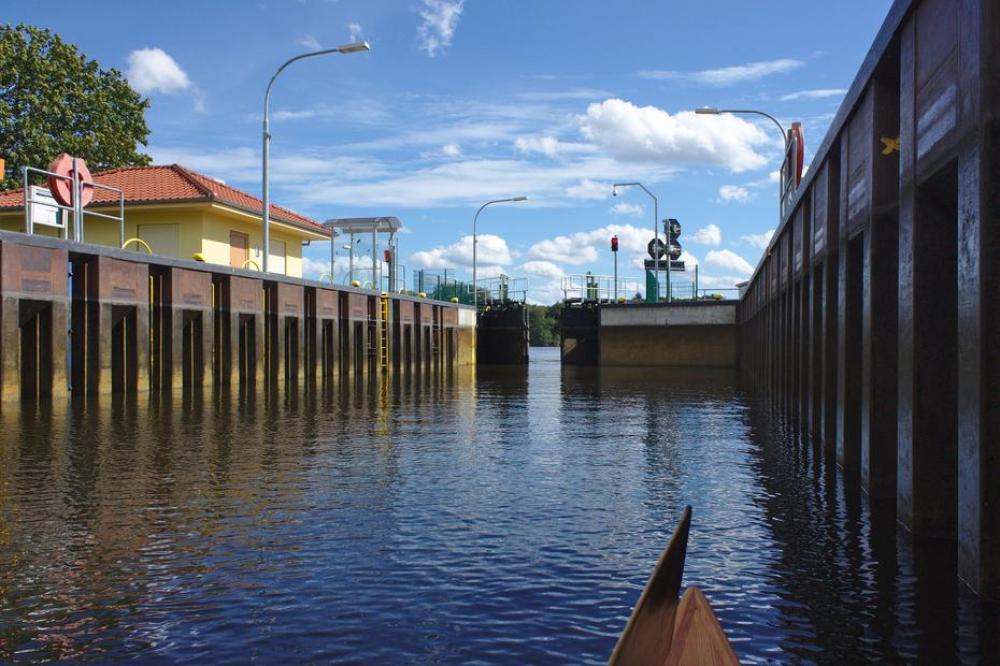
x: 727, y: 76
x: 549, y: 146
x: 819, y: 93
x: 734, y: 193
x: 708, y: 235
x: 438, y: 20
x: 153, y: 70
x: 492, y: 250
x: 625, y: 208
x: 585, y: 247
x: 630, y: 133
x: 310, y: 43
x: 544, y: 269
x: 759, y: 241
x: 546, y: 145
x: 451, y: 150
x: 728, y: 260
x: 545, y: 281
x: 354, y: 31
x: 589, y: 189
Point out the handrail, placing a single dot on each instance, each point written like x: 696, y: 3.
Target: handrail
x: 328, y: 275
x: 250, y: 261
x: 137, y: 241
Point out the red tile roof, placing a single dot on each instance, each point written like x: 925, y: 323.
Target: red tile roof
x: 174, y: 183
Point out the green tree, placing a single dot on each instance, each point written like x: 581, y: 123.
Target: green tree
x: 53, y: 99
x: 543, y: 325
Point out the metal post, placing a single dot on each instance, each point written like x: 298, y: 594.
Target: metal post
x: 77, y: 208
x: 333, y: 255
x: 376, y: 285
x: 350, y: 264
x: 27, y: 202
x: 265, y: 180
x: 616, y: 276
x: 475, y: 241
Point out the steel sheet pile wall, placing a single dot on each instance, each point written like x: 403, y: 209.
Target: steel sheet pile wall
x: 872, y: 322
x: 94, y: 320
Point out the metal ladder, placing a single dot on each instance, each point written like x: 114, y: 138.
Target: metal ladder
x: 384, y: 346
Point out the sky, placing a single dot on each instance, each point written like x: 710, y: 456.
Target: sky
x: 463, y: 101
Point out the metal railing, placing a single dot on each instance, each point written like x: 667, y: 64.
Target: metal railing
x: 441, y: 286
x: 590, y: 287
x: 33, y: 198
x: 502, y: 289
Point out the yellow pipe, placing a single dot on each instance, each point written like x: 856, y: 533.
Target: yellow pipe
x: 250, y: 261
x: 137, y: 241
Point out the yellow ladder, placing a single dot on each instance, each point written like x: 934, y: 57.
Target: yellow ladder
x: 384, y: 347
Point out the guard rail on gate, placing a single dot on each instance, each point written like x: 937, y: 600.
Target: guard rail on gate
x: 590, y: 287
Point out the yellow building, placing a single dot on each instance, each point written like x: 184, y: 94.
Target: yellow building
x: 181, y: 213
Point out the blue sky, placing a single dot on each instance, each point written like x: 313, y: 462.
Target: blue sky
x: 460, y: 102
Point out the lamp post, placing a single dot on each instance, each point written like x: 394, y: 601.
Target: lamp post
x: 475, y: 241
x: 712, y: 111
x: 353, y: 47
x: 656, y: 235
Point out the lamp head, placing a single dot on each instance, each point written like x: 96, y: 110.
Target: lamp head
x: 520, y: 198
x: 354, y: 47
x: 707, y: 111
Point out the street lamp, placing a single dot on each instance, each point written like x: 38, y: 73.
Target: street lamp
x: 656, y: 235
x: 353, y: 47
x: 475, y: 241
x: 712, y: 111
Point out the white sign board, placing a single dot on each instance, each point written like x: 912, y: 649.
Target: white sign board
x: 44, y: 208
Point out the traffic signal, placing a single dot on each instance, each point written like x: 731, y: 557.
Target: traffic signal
x: 614, y: 243
x: 673, y: 229
x: 387, y: 255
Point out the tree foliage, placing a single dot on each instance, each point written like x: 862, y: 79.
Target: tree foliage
x: 543, y: 325
x: 53, y: 99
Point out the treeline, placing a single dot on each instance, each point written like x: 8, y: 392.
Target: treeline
x: 543, y: 325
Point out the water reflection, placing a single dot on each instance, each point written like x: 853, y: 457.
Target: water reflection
x: 510, y: 515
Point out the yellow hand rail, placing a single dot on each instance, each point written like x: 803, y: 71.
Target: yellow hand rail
x: 137, y: 241
x: 250, y: 261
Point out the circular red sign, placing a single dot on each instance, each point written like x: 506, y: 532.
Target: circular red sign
x: 62, y: 188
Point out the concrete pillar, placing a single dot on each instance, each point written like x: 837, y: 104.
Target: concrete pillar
x: 325, y: 328
x: 183, y: 328
x: 978, y: 307
x: 110, y: 325
x: 927, y: 421
x: 878, y: 358
x: 33, y: 320
x: 849, y: 300
x: 880, y: 288
x: 830, y: 343
x: 288, y: 333
x: 406, y: 335
x: 241, y: 329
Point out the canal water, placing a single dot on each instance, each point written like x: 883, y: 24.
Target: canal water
x: 506, y: 515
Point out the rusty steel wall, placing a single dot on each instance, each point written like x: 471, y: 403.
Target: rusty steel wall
x: 872, y: 322
x: 80, y: 319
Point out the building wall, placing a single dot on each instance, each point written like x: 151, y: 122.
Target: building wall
x: 200, y: 229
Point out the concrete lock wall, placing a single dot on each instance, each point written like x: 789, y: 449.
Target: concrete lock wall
x: 137, y: 323
x: 678, y: 335
x: 872, y: 320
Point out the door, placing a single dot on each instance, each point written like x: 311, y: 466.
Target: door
x: 163, y: 239
x: 239, y: 248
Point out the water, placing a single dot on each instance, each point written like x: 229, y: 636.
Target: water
x: 511, y: 516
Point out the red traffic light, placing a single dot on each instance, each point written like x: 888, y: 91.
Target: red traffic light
x: 387, y: 255
x: 614, y: 243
